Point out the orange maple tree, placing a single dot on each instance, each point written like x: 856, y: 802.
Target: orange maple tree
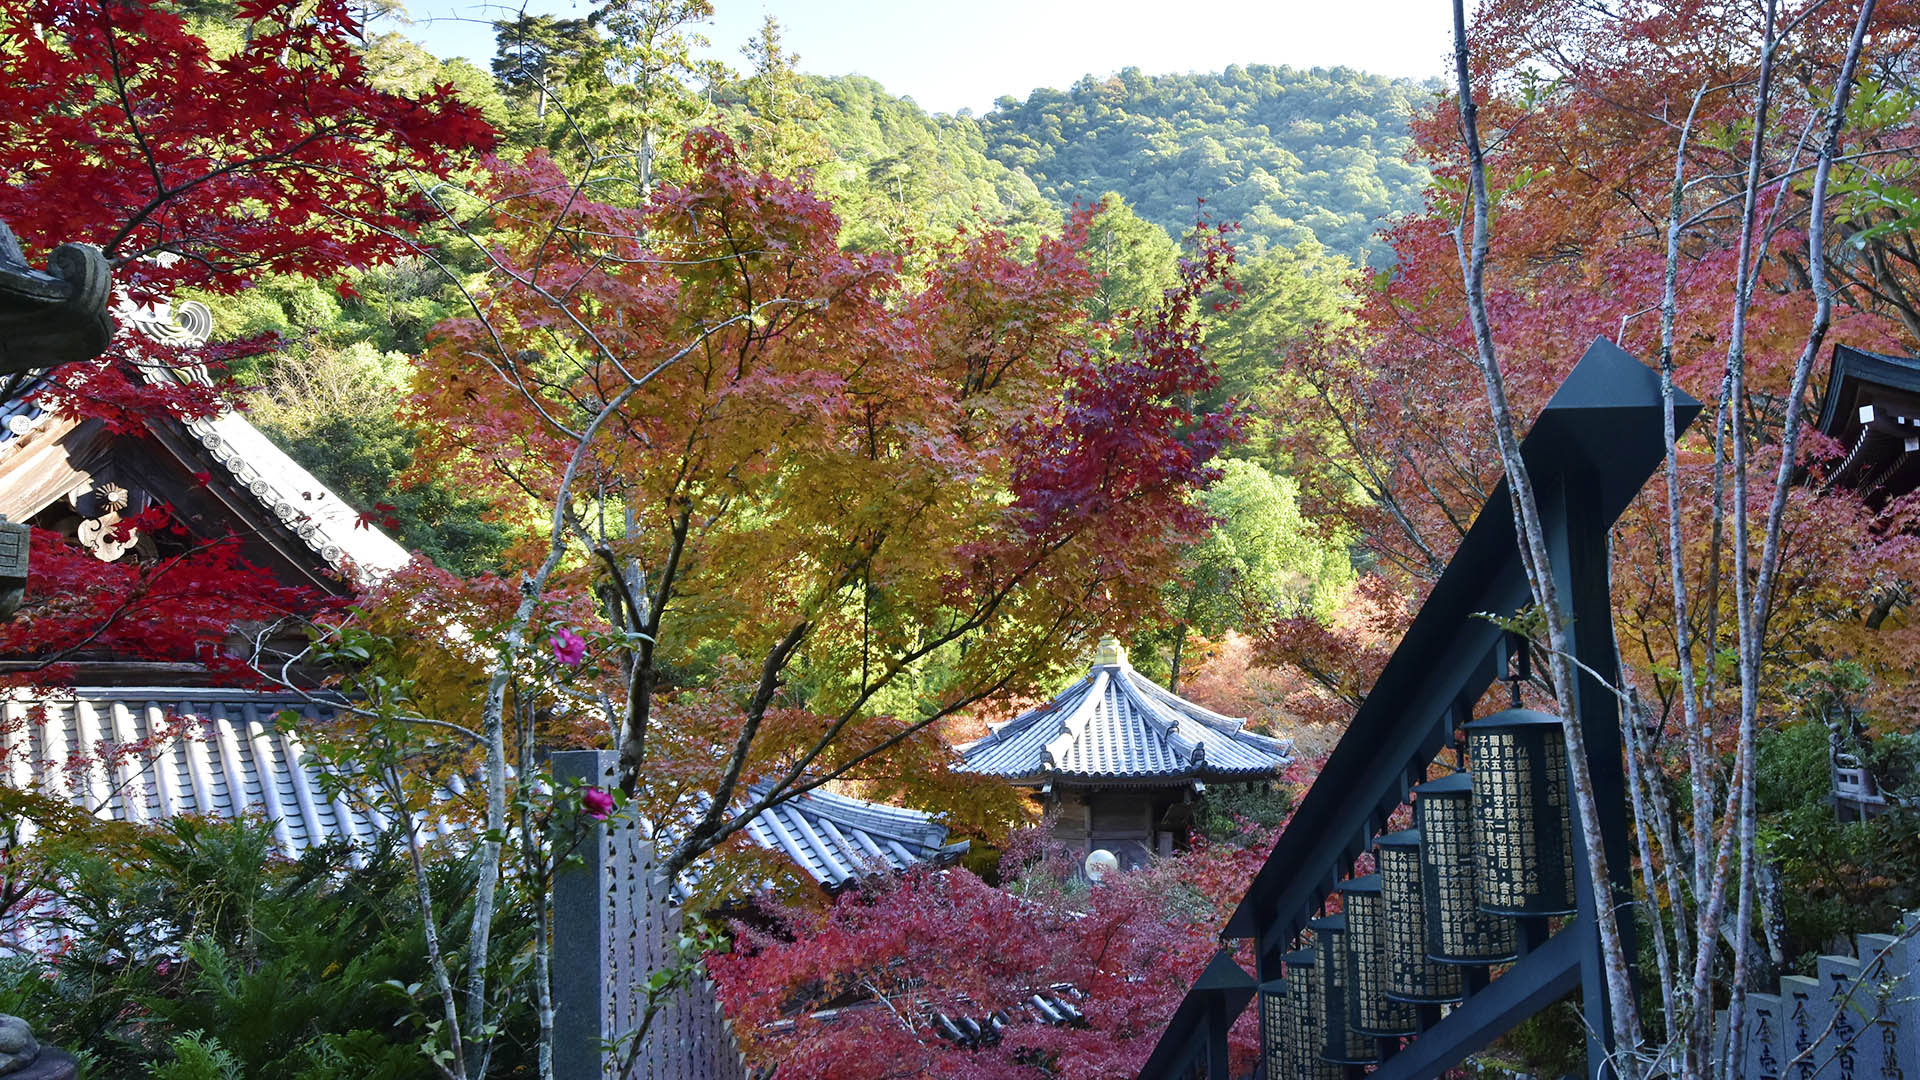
x: 1581, y: 162
x: 801, y: 504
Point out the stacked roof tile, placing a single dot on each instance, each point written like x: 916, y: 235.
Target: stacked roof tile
x: 1117, y: 725
x: 837, y: 839
x: 222, y: 753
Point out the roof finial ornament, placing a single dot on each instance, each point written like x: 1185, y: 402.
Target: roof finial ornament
x: 1109, y: 652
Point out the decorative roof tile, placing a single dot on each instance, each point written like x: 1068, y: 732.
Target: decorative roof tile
x: 1117, y: 725
x: 838, y: 840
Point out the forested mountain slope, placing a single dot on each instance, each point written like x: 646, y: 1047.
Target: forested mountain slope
x: 890, y: 164
x: 1290, y: 154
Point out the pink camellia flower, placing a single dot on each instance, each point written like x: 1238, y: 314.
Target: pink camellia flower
x: 597, y: 803
x: 568, y: 647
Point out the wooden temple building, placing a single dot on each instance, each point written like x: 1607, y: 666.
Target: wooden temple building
x: 1117, y: 762
x: 1872, y: 408
x: 221, y: 475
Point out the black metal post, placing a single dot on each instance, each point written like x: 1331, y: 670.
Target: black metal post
x: 1589, y: 451
x: 1217, y: 1024
x: 1577, y: 546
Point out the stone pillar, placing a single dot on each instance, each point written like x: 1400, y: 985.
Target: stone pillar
x: 1852, y: 1011
x: 1765, y: 1054
x: 583, y: 999
x: 1808, y: 1011
x: 1888, y: 967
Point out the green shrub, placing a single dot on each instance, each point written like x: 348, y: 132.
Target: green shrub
x: 1836, y: 878
x: 196, y: 1057
x: 1232, y: 813
x: 203, y: 954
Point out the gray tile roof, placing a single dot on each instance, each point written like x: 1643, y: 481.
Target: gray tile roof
x: 234, y: 760
x: 1117, y: 725
x: 231, y: 760
x: 837, y: 839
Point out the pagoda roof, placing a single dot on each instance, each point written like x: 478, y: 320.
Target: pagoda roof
x: 1872, y: 407
x: 837, y: 839
x: 1117, y: 726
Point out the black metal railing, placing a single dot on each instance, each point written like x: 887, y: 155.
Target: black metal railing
x: 1592, y: 448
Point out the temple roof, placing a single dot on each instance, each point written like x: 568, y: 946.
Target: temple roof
x: 204, y: 751
x: 221, y: 474
x: 1117, y: 725
x: 837, y: 839
x: 1872, y: 407
x: 235, y: 759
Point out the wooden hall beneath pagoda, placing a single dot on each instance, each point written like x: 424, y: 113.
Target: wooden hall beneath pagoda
x: 1117, y: 761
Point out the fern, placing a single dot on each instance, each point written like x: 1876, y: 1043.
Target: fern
x: 197, y: 1056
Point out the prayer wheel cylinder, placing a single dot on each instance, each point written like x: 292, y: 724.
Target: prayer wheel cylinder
x: 1304, y: 1020
x: 1277, y: 1043
x: 1522, y: 814
x: 1411, y: 975
x: 1458, y: 932
x: 1341, y: 1043
x: 1369, y: 1010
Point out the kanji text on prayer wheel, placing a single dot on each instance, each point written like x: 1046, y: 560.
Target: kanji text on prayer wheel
x: 1276, y: 1035
x: 1522, y: 822
x: 1306, y: 1024
x: 1411, y: 975
x: 1369, y: 1009
x: 1458, y: 932
x: 1341, y: 1042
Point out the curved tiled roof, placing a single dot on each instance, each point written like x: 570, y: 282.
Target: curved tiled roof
x: 836, y: 839
x: 231, y: 757
x: 1117, y: 725
x: 253, y: 463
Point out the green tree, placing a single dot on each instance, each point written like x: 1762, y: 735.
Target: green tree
x: 332, y: 410
x: 644, y: 79
x: 1134, y: 258
x: 1261, y: 560
x: 1285, y: 294
x: 1292, y: 155
x: 774, y: 112
x: 535, y: 56
x: 895, y: 172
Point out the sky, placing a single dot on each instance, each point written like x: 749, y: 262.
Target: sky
x: 949, y: 56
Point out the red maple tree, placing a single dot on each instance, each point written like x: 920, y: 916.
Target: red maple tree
x: 858, y: 989
x: 203, y: 166
x: 1385, y: 421
x: 812, y: 480
x: 127, y: 130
